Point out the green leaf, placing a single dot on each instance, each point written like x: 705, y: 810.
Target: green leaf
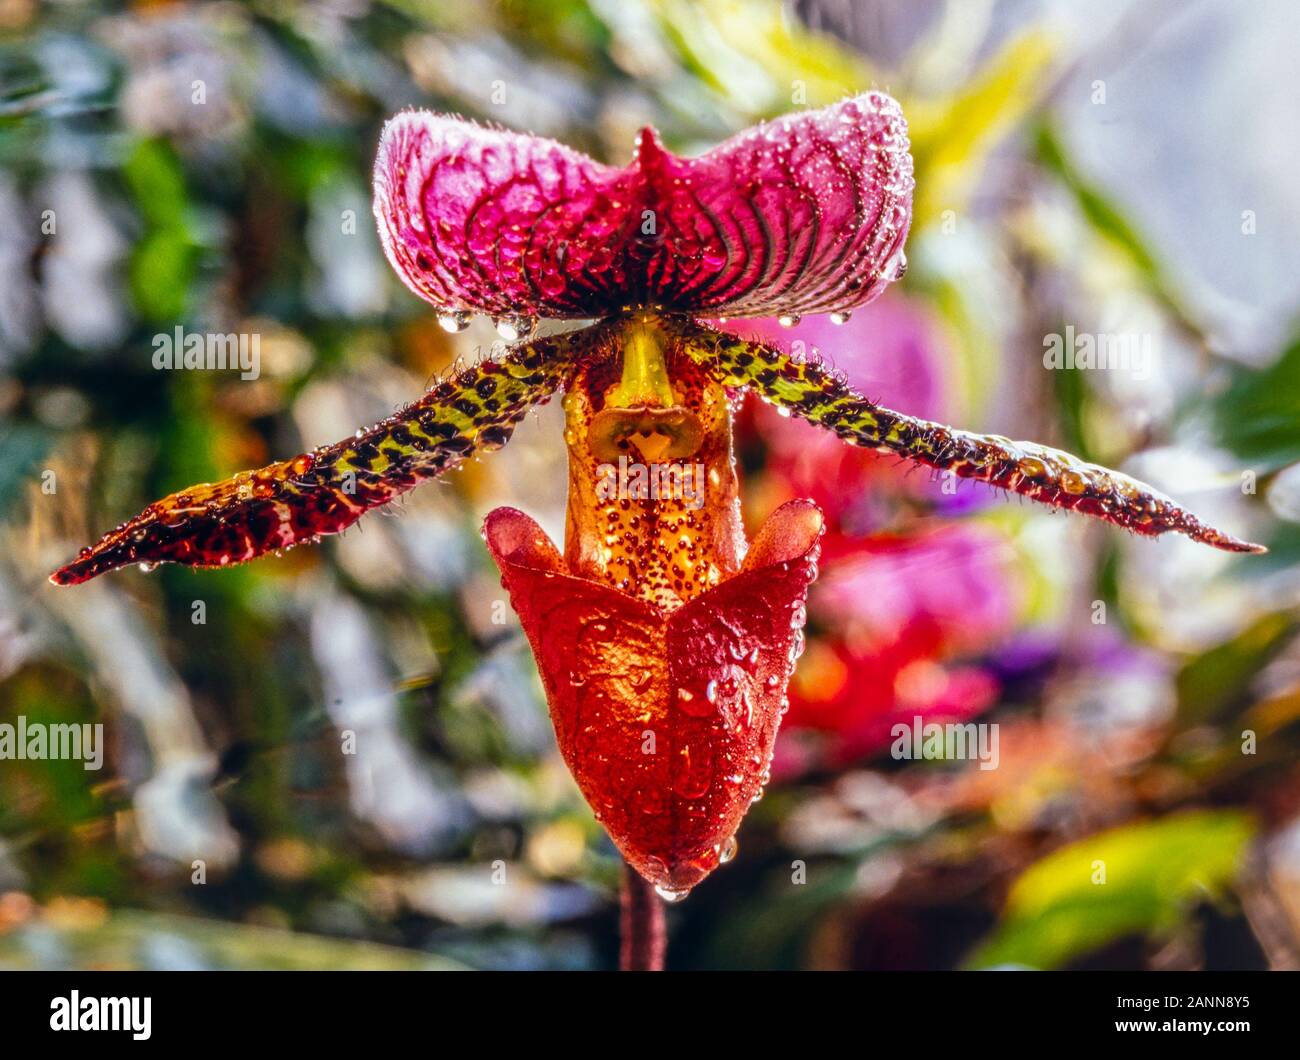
x: 153, y: 174
x: 771, y: 930
x: 1210, y: 684
x: 163, y: 261
x: 1099, y: 211
x: 1283, y: 554
x: 952, y: 136
x: 756, y: 57
x: 1110, y: 223
x: 1154, y: 872
x: 1258, y: 416
x: 160, y: 271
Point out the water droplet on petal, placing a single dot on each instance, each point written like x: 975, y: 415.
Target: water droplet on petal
x: 669, y: 895
x: 148, y: 567
x: 693, y: 772
x: 513, y: 329
x: 728, y: 851
x: 788, y: 320
x: 695, y: 706
x: 841, y: 316
x: 454, y: 321
x: 894, y: 268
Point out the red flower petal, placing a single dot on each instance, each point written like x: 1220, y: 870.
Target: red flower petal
x: 667, y: 719
x: 804, y: 214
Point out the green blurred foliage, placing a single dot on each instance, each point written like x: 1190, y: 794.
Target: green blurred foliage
x: 1136, y: 879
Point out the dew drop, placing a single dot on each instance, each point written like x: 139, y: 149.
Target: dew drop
x: 894, y: 268
x: 841, y: 316
x: 693, y: 774
x: 788, y: 320
x: 454, y: 320
x: 148, y: 567
x: 693, y: 705
x: 728, y: 851
x: 512, y: 329
x: 668, y: 894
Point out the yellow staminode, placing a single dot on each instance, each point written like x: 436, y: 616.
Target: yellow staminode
x: 645, y: 372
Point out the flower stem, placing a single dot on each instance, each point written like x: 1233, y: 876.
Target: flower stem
x: 641, y: 924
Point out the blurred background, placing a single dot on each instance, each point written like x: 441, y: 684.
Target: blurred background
x: 1111, y: 169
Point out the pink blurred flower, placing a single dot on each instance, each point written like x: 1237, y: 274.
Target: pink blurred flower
x: 899, y: 614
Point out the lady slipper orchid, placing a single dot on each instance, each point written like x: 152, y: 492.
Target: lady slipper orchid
x: 664, y: 640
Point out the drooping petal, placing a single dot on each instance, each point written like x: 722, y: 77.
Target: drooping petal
x: 1038, y: 472
x: 804, y: 214
x: 326, y: 491
x: 667, y: 719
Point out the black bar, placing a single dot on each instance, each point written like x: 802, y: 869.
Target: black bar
x: 370, y: 1009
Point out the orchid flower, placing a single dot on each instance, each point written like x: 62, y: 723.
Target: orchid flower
x: 665, y: 639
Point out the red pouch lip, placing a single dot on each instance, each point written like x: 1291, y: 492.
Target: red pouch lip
x: 666, y: 719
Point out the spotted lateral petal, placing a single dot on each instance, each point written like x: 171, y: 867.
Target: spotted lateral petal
x: 1038, y: 472
x: 326, y: 491
x: 807, y: 213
